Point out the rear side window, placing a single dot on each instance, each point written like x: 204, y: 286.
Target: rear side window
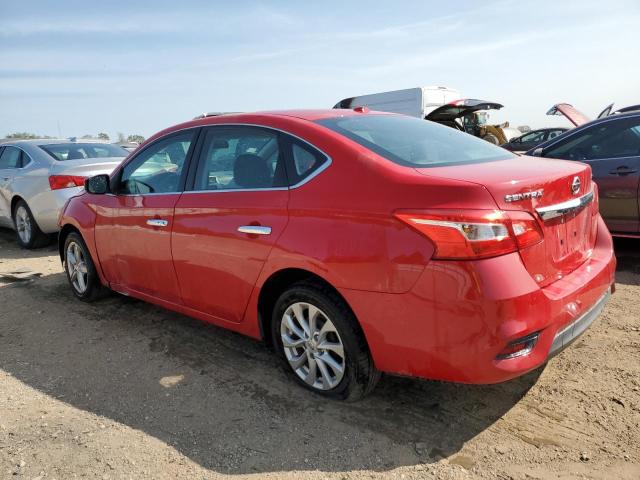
x: 413, y: 142
x: 236, y: 157
x: 304, y: 161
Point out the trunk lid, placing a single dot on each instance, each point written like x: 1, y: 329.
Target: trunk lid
x: 86, y: 167
x: 558, y: 193
x: 460, y: 108
x: 570, y: 113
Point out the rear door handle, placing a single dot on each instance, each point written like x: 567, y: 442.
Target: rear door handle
x: 623, y: 170
x: 157, y: 222
x: 255, y: 230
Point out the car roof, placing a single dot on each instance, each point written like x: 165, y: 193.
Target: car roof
x: 310, y: 114
x: 42, y: 141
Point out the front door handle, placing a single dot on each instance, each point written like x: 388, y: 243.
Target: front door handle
x: 255, y: 230
x: 157, y: 222
x: 623, y: 170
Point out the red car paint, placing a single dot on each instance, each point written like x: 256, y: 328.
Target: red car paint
x: 421, y: 316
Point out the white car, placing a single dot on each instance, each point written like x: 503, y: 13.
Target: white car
x: 37, y: 177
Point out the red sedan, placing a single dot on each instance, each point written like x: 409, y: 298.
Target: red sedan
x: 352, y: 241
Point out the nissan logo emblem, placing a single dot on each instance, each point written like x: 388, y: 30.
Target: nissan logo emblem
x: 575, y: 185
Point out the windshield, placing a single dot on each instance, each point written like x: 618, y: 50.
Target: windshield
x: 413, y: 142
x: 80, y: 151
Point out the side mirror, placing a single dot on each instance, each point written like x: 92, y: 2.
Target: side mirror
x: 98, y: 185
x: 537, y: 152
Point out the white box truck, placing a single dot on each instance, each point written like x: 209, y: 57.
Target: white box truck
x: 416, y: 102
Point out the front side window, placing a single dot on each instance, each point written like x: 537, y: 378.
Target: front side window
x: 158, y: 168
x: 413, y: 142
x: 81, y: 151
x: 237, y: 157
x: 10, y: 158
x: 613, y: 139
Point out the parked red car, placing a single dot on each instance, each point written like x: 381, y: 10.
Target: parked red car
x: 355, y: 242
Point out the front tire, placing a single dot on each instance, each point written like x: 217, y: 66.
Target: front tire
x: 81, y: 271
x: 319, y: 340
x: 28, y: 234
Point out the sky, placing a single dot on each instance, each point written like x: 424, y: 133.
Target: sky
x: 71, y: 68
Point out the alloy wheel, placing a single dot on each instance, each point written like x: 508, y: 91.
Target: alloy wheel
x: 23, y: 224
x: 77, y: 267
x: 312, y: 346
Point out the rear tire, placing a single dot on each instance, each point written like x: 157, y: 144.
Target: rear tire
x: 80, y: 269
x: 28, y: 234
x: 319, y: 340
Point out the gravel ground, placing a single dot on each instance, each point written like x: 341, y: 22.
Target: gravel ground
x: 122, y: 389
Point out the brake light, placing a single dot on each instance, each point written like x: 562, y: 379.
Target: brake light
x: 472, y: 234
x: 57, y: 182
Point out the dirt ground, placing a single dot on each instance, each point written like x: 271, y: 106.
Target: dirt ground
x: 122, y: 389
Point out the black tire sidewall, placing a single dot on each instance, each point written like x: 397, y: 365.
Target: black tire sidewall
x: 37, y: 237
x: 92, y: 276
x: 339, y: 316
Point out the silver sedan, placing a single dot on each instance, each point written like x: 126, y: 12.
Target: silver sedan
x: 37, y: 177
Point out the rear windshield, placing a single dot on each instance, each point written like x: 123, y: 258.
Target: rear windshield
x: 80, y: 151
x: 413, y: 142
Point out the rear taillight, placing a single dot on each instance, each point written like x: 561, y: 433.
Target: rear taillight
x: 65, y: 181
x: 471, y: 234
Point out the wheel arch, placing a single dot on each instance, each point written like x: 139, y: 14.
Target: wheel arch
x: 276, y: 284
x: 14, y: 201
x: 62, y: 237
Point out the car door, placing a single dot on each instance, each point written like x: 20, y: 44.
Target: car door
x: 226, y: 225
x: 10, y: 161
x: 612, y: 149
x: 133, y: 225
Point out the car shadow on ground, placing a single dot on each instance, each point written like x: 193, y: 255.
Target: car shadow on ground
x: 628, y: 256
x: 221, y: 399
x: 9, y: 247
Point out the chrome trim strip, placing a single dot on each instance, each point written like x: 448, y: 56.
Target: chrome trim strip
x: 326, y: 164
x: 560, y: 209
x: 255, y: 230
x: 571, y: 332
x: 228, y: 190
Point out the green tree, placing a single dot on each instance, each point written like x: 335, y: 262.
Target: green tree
x: 22, y: 136
x: 135, y: 138
x: 103, y: 136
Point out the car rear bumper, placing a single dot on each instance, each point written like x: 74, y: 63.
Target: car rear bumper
x: 571, y: 332
x: 46, y: 207
x: 460, y: 315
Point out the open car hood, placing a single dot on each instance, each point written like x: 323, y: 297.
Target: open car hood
x: 574, y: 116
x: 459, y: 108
x: 606, y: 112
